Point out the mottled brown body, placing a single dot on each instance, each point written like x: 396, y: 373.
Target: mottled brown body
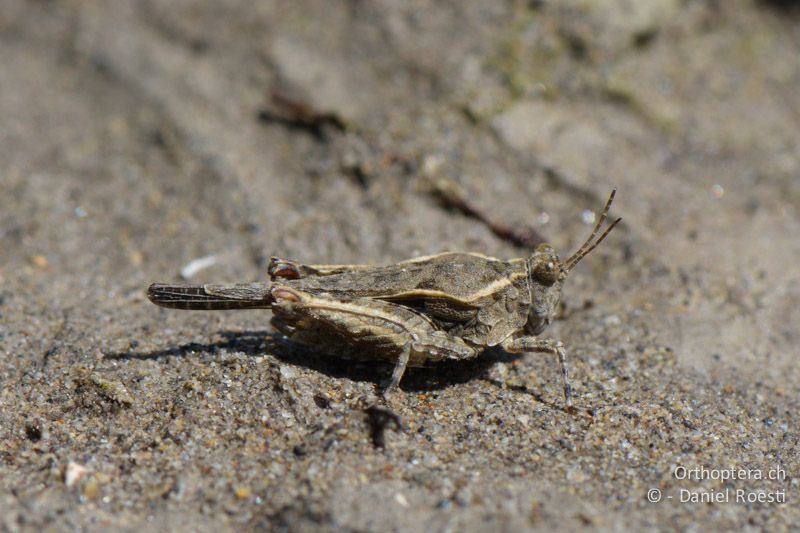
x: 445, y: 306
x: 480, y: 299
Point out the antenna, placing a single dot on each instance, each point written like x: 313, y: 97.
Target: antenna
x: 588, y: 246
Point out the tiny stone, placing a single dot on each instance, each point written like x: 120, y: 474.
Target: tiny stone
x: 73, y: 473
x: 91, y: 489
x: 288, y: 372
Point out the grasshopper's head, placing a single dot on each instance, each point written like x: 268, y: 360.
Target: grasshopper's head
x: 546, y: 274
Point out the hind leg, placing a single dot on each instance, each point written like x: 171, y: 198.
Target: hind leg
x: 365, y: 329
x: 398, y: 371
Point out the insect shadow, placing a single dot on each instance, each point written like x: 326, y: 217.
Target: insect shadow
x: 252, y: 343
x: 261, y: 342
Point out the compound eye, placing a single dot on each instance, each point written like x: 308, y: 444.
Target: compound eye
x: 545, y: 248
x: 546, y: 272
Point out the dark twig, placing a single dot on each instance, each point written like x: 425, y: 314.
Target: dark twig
x: 297, y: 113
x: 450, y: 195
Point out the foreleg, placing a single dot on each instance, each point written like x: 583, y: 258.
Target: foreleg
x: 534, y: 344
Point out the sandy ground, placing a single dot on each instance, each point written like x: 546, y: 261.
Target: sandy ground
x: 136, y: 137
